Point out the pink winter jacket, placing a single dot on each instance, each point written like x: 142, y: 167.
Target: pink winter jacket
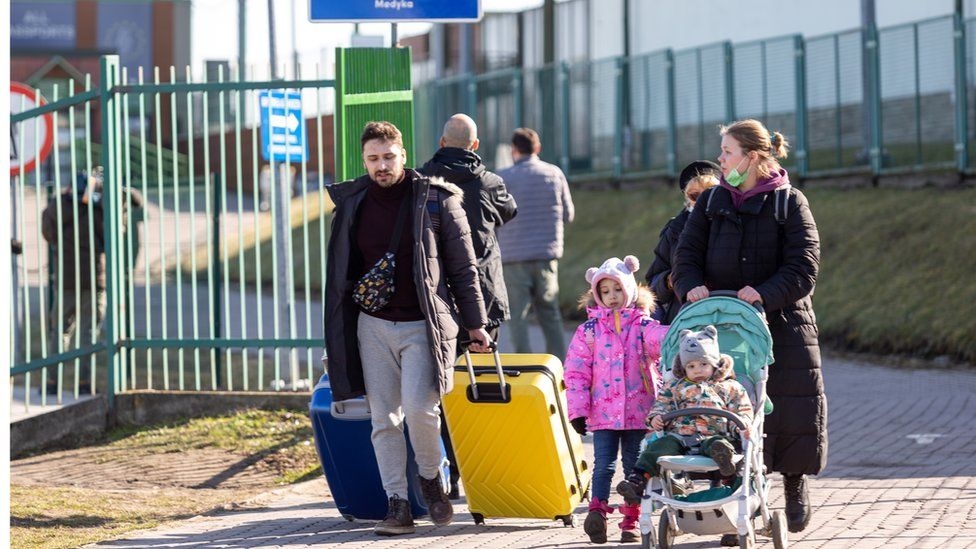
x: 604, y: 377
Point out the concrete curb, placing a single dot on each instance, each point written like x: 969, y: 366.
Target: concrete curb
x: 88, y: 419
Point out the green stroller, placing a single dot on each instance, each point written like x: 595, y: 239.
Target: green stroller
x: 709, y: 507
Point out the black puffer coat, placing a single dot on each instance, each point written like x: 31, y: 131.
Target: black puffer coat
x: 657, y: 275
x: 488, y: 206
x: 746, y: 246
x: 443, y: 269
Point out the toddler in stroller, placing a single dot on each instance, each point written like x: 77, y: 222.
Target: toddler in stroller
x: 702, y: 378
x: 711, y: 408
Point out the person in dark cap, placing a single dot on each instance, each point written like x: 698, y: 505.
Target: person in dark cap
x: 693, y: 180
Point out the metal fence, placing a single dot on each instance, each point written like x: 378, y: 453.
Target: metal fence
x: 877, y: 101
x: 210, y: 283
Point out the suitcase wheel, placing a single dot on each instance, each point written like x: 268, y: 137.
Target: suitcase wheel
x: 568, y: 520
x: 478, y: 518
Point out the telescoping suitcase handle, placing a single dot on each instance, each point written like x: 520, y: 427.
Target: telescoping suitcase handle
x: 498, y: 369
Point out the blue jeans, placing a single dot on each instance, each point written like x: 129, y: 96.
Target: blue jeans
x: 605, y: 446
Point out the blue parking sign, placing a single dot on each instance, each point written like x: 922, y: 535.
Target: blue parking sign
x: 282, y: 126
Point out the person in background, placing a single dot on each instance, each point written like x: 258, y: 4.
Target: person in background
x: 396, y: 283
x: 694, y: 179
x: 533, y: 243
x: 80, y: 253
x: 488, y: 206
x: 754, y: 234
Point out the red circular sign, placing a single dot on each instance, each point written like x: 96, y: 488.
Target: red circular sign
x: 26, y: 134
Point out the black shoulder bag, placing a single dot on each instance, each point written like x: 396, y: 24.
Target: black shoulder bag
x: 376, y: 288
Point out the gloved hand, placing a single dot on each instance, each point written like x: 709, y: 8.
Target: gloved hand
x: 579, y: 424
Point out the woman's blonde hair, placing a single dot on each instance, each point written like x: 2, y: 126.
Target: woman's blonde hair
x: 753, y: 136
x: 705, y: 181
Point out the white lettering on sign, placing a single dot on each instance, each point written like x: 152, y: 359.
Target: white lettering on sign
x: 277, y: 102
x: 35, y: 25
x: 393, y: 4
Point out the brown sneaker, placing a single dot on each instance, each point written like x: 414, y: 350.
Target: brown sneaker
x: 632, y: 488
x: 398, y: 519
x: 440, y: 508
x: 722, y: 453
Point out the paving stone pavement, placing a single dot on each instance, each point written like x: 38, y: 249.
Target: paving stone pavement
x: 901, y: 473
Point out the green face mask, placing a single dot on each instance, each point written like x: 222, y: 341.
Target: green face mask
x: 735, y: 178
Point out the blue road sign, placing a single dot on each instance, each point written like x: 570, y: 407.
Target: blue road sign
x: 394, y: 10
x: 282, y: 126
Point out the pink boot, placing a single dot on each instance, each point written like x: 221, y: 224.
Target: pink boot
x: 629, y: 531
x: 595, y: 524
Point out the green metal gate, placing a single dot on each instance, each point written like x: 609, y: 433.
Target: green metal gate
x: 215, y: 282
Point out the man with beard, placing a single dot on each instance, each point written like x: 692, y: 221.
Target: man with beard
x: 406, y: 234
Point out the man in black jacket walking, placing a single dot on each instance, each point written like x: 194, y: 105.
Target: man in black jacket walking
x: 486, y: 203
x: 487, y: 206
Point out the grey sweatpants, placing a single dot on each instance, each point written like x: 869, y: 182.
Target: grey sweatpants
x: 401, y: 384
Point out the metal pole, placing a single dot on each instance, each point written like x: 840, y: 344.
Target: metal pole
x: 271, y: 40
x: 962, y: 104
x: 393, y: 35
x: 868, y: 47
x: 549, y: 32
x: 241, y: 39
x: 294, y: 43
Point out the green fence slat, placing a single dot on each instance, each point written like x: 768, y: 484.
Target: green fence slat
x: 372, y: 84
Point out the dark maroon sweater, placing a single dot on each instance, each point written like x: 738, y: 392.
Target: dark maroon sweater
x: 377, y: 218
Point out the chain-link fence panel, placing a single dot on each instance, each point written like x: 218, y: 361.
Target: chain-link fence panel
x: 917, y: 102
x: 497, y: 116
x: 543, y: 92
x: 646, y: 130
x: 701, y: 102
x: 764, y: 79
x: 836, y: 126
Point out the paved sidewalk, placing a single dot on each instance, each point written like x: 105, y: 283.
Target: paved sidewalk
x: 901, y: 473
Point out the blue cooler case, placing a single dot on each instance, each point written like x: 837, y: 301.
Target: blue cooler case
x: 342, y: 437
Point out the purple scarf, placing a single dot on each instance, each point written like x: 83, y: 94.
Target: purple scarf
x: 775, y: 180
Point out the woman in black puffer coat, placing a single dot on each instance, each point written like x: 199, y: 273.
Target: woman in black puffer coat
x: 736, y: 239
x: 694, y: 179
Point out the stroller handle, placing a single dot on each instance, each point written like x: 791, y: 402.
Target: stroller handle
x: 732, y: 293
x: 671, y: 416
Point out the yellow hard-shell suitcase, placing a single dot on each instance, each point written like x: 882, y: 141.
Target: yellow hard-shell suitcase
x: 516, y: 451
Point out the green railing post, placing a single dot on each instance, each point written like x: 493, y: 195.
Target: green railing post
x: 472, y: 96
x: 873, y: 90
x: 962, y: 104
x: 563, y: 83
x: 729, y: 58
x: 672, y: 114
x: 111, y: 163
x: 801, y: 144
x: 216, y: 295
x: 618, y: 117
x: 519, y: 100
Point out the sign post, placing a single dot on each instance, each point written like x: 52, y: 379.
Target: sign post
x: 283, y: 141
x: 30, y: 140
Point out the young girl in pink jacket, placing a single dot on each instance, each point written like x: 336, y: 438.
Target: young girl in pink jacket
x: 612, y: 378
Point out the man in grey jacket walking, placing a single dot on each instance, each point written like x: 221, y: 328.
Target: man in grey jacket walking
x: 532, y: 243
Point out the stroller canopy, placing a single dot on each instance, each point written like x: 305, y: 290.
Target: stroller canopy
x: 742, y: 334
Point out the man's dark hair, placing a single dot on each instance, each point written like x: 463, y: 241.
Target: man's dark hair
x: 526, y: 141
x: 380, y: 130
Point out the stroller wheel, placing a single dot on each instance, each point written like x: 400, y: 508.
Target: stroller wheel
x: 777, y: 529
x: 666, y: 532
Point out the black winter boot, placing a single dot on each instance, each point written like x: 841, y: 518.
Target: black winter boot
x: 798, y: 509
